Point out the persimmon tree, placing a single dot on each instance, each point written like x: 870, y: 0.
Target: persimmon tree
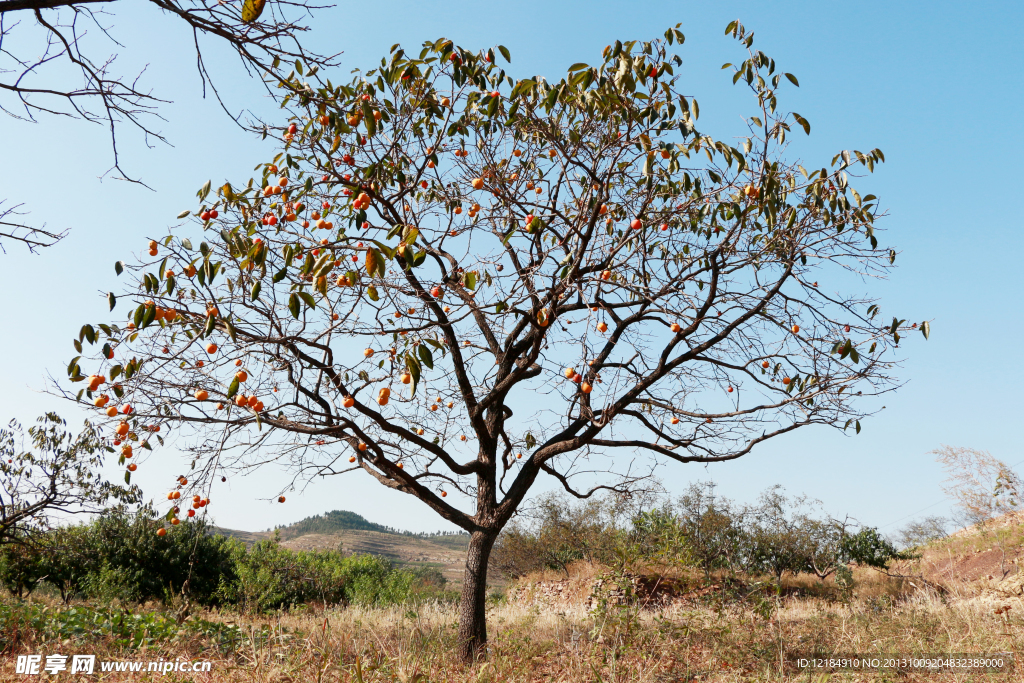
x: 460, y: 283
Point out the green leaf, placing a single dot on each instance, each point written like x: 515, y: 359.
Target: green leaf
x: 204, y: 190
x: 803, y: 123
x: 858, y: 426
x: 792, y: 79
x: 233, y: 388
x: 424, y: 353
x: 231, y: 328
x: 308, y: 298
x: 187, y: 244
x: 505, y: 53
x: 371, y: 123
x: 256, y: 287
x: 127, y: 477
x: 470, y: 280
x: 184, y: 213
x: 293, y: 305
x: 414, y: 369
x: 118, y: 267
x: 280, y: 275
x: 112, y: 300
x: 371, y: 291
x: 926, y: 328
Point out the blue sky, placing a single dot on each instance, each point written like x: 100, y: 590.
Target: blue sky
x: 934, y: 85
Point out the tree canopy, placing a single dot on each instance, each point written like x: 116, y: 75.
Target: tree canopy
x: 52, y: 477
x: 455, y: 281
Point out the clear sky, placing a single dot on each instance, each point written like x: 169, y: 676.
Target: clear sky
x: 935, y: 85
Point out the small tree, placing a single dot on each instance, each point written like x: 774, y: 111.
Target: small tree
x: 983, y: 486
x: 922, y: 531
x: 777, y: 535
x: 565, y: 279
x: 58, y: 475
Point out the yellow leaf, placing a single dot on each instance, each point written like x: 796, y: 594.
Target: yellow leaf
x: 371, y: 261
x: 252, y: 9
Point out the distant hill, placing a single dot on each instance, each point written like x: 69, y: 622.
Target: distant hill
x: 329, y: 522
x: 353, y: 533
x: 343, y: 520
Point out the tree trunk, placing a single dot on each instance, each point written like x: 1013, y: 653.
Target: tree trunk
x: 472, y: 613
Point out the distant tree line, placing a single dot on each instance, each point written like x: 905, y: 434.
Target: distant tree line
x: 778, y: 534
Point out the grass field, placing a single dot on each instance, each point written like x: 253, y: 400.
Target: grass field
x: 737, y: 633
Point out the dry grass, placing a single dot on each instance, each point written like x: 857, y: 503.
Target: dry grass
x: 722, y: 637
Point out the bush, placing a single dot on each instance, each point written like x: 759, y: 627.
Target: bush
x: 268, y: 577
x: 120, y: 557
x: 777, y: 534
x: 187, y: 561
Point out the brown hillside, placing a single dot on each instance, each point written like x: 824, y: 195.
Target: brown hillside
x: 982, y: 559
